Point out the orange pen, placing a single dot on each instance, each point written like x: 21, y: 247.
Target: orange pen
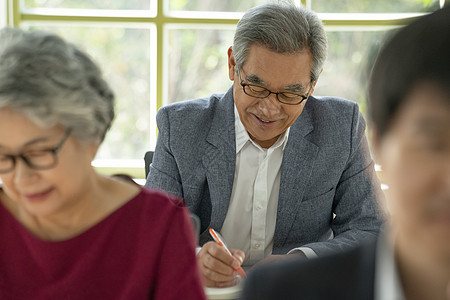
x: 216, y: 236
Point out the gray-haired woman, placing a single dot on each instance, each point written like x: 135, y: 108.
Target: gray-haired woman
x: 65, y: 230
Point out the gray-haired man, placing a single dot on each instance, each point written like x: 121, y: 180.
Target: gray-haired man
x: 272, y: 168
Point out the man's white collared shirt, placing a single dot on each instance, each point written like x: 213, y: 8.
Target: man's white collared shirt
x: 250, y: 221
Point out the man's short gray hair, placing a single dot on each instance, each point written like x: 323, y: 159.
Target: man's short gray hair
x: 283, y: 28
x: 53, y: 83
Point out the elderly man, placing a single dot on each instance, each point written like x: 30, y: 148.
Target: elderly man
x: 271, y: 167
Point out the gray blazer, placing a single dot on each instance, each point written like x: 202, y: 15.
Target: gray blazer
x: 328, y: 186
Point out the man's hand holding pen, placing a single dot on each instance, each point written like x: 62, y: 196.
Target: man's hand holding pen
x: 219, y: 267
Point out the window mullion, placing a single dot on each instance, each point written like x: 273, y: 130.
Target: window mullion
x: 13, y: 12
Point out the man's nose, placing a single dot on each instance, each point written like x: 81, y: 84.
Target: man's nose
x: 270, y: 105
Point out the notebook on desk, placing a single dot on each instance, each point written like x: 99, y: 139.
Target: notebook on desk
x: 228, y: 293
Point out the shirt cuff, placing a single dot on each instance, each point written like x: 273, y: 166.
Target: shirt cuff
x: 307, y: 251
x: 197, y: 250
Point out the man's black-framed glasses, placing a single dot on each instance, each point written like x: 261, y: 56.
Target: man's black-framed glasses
x: 41, y: 159
x: 257, y: 91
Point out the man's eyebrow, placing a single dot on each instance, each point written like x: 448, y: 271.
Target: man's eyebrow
x: 293, y: 87
x: 254, y: 79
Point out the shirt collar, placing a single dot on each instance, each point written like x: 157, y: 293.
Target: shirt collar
x: 387, y: 280
x: 242, y: 136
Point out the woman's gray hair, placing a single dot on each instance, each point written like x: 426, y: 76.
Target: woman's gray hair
x: 53, y: 83
x: 283, y: 28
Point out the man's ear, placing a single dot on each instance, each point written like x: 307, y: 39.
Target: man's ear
x: 231, y: 64
x: 314, y: 84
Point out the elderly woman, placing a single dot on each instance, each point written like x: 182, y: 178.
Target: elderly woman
x: 409, y: 108
x: 66, y: 231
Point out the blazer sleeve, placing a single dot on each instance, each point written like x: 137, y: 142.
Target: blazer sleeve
x: 164, y: 173
x: 355, y: 210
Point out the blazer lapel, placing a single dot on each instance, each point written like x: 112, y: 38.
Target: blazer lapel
x: 220, y: 159
x: 298, y: 160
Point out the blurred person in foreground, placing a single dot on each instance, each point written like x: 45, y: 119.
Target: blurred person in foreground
x: 66, y: 231
x: 275, y: 170
x: 409, y: 109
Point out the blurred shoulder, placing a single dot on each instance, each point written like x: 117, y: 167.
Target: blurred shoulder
x: 341, y: 275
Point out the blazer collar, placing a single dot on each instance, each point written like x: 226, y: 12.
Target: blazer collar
x: 304, y: 123
x: 219, y: 159
x: 221, y: 133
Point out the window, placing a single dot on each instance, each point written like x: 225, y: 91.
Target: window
x: 3, y: 16
x: 156, y: 52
